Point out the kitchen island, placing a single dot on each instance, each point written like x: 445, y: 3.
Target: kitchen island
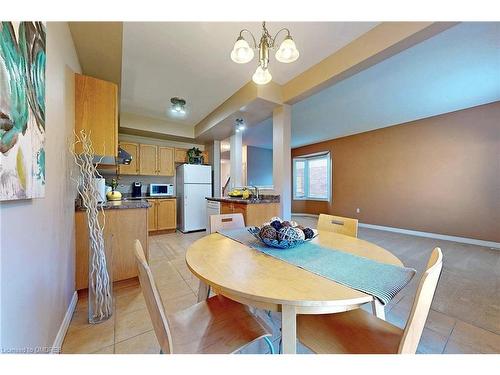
x: 254, y: 211
x: 125, y: 221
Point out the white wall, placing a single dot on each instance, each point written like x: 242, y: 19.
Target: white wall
x: 37, y: 236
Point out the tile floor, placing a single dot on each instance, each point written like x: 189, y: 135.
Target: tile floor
x: 464, y: 316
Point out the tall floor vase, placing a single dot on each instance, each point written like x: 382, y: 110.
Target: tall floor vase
x: 100, y: 292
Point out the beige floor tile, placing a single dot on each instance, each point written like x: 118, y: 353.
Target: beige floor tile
x: 132, y: 324
x: 180, y: 303
x: 145, y: 343
x: 90, y: 338
x: 156, y: 252
x: 174, y: 289
x: 130, y: 300
x: 455, y: 347
x: 164, y: 271
x: 107, y: 350
x: 440, y: 323
x: 477, y: 338
x: 431, y: 342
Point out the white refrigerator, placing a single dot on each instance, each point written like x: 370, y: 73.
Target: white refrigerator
x: 194, y: 184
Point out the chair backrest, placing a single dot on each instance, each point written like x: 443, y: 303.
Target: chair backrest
x: 153, y: 301
x: 338, y: 224
x: 421, y: 304
x: 226, y: 221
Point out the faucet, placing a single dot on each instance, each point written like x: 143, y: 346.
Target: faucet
x: 256, y: 192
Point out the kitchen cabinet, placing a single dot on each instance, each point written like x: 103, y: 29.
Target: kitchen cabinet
x: 148, y: 160
x: 123, y: 227
x: 162, y: 215
x: 166, y: 161
x: 254, y: 214
x: 166, y: 215
x: 181, y: 155
x: 156, y: 160
x: 96, y: 112
x: 205, y: 157
x: 133, y: 167
x: 152, y: 215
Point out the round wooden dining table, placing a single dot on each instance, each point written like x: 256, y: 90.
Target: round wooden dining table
x: 253, y: 278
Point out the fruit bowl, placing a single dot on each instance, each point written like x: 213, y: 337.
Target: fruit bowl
x: 277, y: 243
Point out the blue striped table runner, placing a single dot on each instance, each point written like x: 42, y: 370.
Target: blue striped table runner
x: 383, y: 281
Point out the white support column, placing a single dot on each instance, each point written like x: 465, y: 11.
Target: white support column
x: 282, y: 162
x: 215, y: 161
x: 235, y: 156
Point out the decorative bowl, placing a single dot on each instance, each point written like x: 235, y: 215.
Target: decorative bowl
x: 283, y: 244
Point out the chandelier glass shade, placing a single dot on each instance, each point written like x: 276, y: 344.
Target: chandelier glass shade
x: 243, y: 53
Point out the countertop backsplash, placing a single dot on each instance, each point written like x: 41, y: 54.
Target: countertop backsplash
x: 125, y: 182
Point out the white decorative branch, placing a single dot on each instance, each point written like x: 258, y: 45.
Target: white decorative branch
x: 100, y: 293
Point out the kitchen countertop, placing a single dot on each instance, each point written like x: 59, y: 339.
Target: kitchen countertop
x: 123, y: 204
x: 263, y: 199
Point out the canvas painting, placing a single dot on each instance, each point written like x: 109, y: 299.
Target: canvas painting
x: 22, y: 110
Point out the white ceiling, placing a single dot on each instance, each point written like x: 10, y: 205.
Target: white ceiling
x: 191, y: 60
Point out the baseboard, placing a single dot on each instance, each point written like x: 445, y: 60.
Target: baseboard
x: 58, y: 341
x: 470, y: 241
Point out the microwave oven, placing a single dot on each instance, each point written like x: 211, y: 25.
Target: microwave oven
x: 161, y: 190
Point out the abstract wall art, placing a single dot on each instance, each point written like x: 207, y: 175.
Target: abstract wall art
x: 22, y: 110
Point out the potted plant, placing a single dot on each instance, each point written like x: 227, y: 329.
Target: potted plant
x: 195, y: 156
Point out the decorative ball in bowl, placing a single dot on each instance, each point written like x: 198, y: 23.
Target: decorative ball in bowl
x: 282, y: 234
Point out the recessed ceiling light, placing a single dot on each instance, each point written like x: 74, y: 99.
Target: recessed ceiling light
x: 178, y: 106
x: 240, y: 125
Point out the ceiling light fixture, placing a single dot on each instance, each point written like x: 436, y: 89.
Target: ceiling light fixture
x: 243, y: 53
x: 240, y: 125
x: 178, y: 106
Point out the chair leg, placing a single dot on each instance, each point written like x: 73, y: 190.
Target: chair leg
x: 378, y: 309
x: 270, y: 343
x: 203, y: 291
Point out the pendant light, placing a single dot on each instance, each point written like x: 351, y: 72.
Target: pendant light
x: 243, y: 53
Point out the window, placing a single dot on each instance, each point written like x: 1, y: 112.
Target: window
x: 312, y: 177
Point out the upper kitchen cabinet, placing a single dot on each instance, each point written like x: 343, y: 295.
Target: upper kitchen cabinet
x: 181, y: 155
x: 96, y: 112
x: 166, y: 161
x: 148, y: 156
x: 205, y: 157
x: 133, y: 167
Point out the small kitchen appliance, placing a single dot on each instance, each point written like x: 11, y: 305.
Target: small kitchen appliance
x: 136, y: 189
x: 161, y: 190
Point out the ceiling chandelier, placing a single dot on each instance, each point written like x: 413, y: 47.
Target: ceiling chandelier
x: 243, y: 53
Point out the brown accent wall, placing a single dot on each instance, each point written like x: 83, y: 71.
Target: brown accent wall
x: 440, y: 174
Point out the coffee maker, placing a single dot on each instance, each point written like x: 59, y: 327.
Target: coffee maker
x: 136, y: 189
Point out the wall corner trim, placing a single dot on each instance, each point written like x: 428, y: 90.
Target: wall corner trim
x: 61, y: 334
x: 470, y: 241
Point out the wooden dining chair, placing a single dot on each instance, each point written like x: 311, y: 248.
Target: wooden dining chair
x: 216, y: 326
x: 226, y: 221
x: 359, y: 332
x: 338, y: 224
x: 220, y: 222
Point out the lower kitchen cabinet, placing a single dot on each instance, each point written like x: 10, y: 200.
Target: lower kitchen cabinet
x: 123, y: 227
x: 254, y: 214
x: 162, y: 215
